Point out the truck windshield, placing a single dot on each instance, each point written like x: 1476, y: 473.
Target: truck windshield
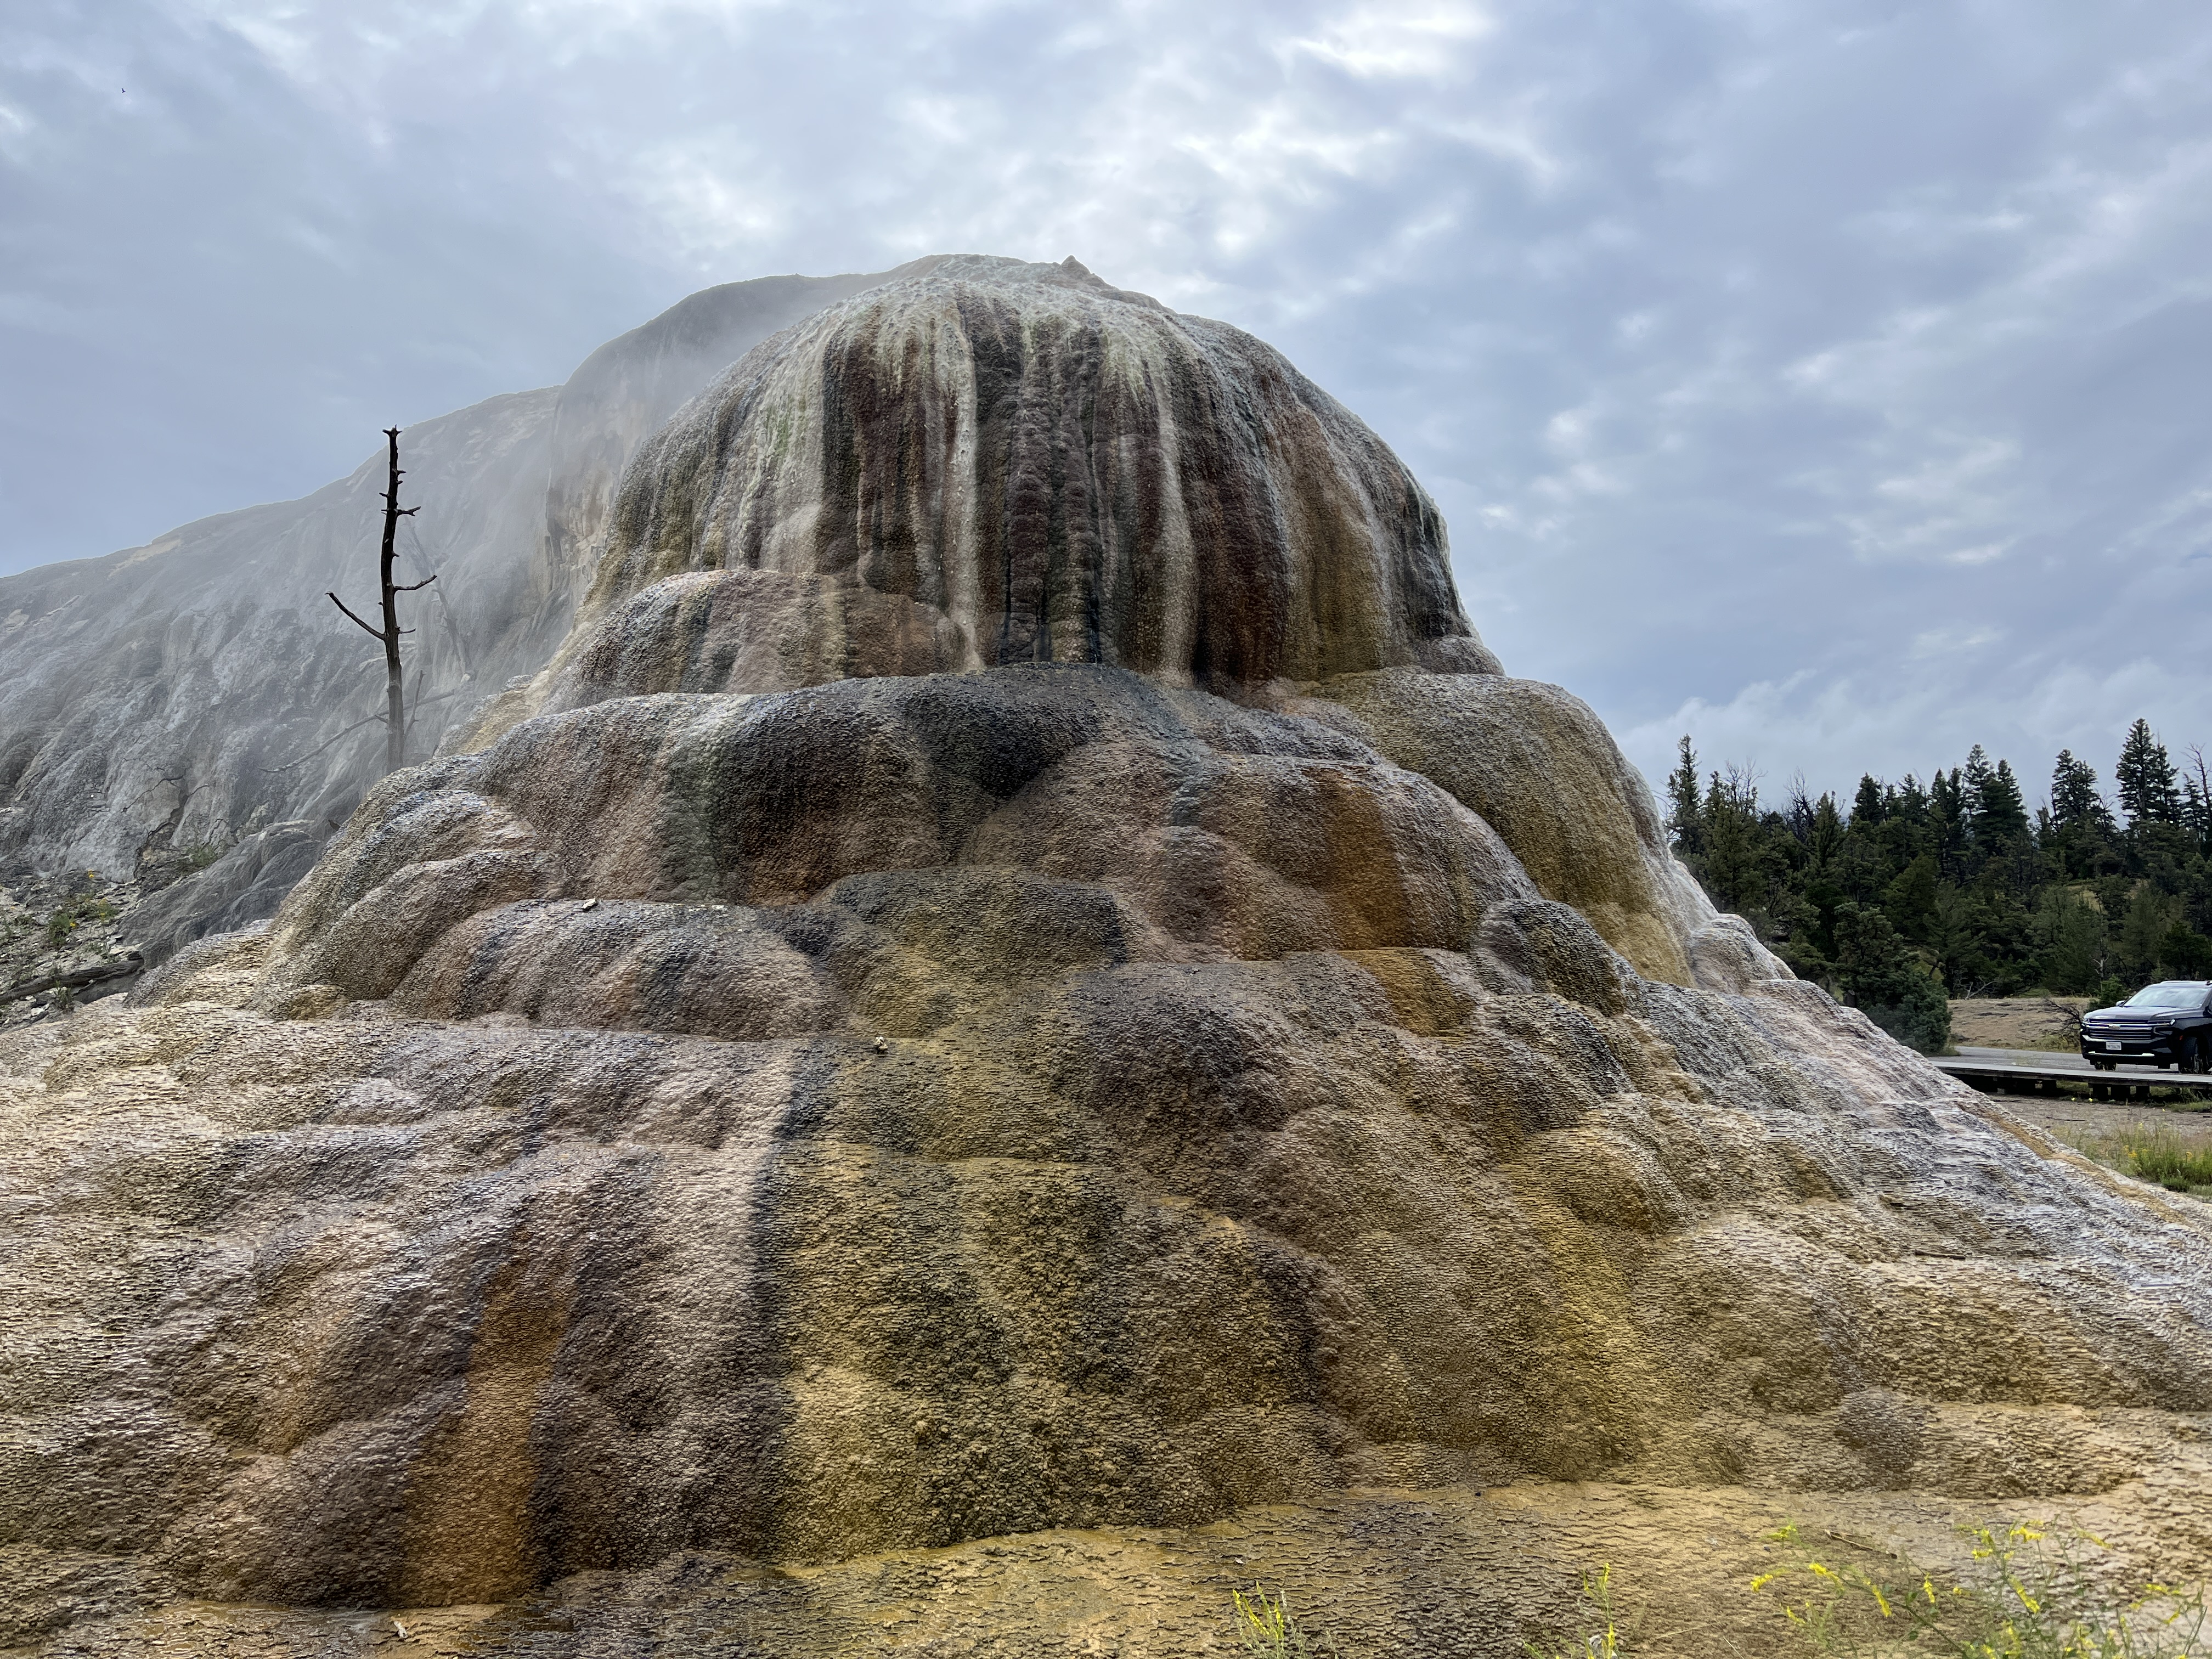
x: 2166, y: 996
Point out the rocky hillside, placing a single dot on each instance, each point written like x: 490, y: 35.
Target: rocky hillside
x: 1022, y: 972
x: 190, y: 692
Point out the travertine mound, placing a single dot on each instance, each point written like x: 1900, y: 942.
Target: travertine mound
x: 779, y: 1104
x: 992, y: 463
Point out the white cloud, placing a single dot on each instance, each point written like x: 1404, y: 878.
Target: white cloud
x: 1407, y: 40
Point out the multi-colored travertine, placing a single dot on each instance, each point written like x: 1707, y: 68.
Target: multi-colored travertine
x: 952, y: 1024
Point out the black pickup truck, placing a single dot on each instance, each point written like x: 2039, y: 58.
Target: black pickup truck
x: 2169, y: 1023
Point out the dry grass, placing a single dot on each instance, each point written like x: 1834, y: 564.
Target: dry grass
x: 2045, y: 1024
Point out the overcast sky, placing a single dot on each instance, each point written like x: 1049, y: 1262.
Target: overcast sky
x: 1830, y: 381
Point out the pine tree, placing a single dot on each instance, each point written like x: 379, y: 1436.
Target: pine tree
x: 1910, y: 901
x: 2145, y: 780
x: 1908, y: 801
x: 2071, y: 935
x: 2197, y: 799
x: 2074, y: 798
x: 1878, y: 974
x: 1867, y: 809
x: 1827, y: 832
x: 1683, y: 817
x: 1972, y: 782
x: 2000, y: 814
x: 1946, y: 816
x: 1729, y: 819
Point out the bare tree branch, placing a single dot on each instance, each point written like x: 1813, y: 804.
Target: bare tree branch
x: 395, y: 712
x: 374, y: 634
x: 373, y: 719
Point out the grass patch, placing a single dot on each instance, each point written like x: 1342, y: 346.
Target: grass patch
x: 1597, y: 1633
x: 1267, y: 1626
x: 2033, y: 1591
x: 2155, y: 1154
x: 2162, y: 1156
x: 69, y: 914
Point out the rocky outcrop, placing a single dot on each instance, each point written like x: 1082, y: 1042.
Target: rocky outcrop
x: 777, y: 1104
x: 243, y: 886
x: 1537, y: 765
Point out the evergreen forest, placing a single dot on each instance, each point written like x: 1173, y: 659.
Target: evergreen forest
x: 1916, y: 892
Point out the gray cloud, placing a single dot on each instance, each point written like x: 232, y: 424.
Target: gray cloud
x: 1829, y: 380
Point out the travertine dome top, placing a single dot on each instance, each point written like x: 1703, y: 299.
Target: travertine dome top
x: 996, y: 462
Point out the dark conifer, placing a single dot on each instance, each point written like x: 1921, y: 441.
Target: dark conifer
x: 1950, y: 886
x: 1911, y: 900
x: 1972, y: 780
x: 2000, y: 814
x: 1867, y: 809
x: 1909, y: 801
x: 1827, y: 832
x: 1683, y: 817
x: 2145, y: 780
x: 2074, y: 797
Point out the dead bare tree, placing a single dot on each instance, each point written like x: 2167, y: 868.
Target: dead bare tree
x: 395, y: 697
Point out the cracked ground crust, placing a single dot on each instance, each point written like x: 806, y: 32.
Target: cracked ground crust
x: 1390, y: 1575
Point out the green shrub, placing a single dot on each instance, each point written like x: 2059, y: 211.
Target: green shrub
x: 70, y: 913
x: 192, y: 860
x: 2030, y: 1593
x: 1879, y: 974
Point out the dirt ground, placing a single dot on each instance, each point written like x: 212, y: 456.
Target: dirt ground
x: 2015, y: 1021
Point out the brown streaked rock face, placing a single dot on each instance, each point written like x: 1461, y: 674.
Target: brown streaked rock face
x: 910, y: 1047
x: 993, y: 463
